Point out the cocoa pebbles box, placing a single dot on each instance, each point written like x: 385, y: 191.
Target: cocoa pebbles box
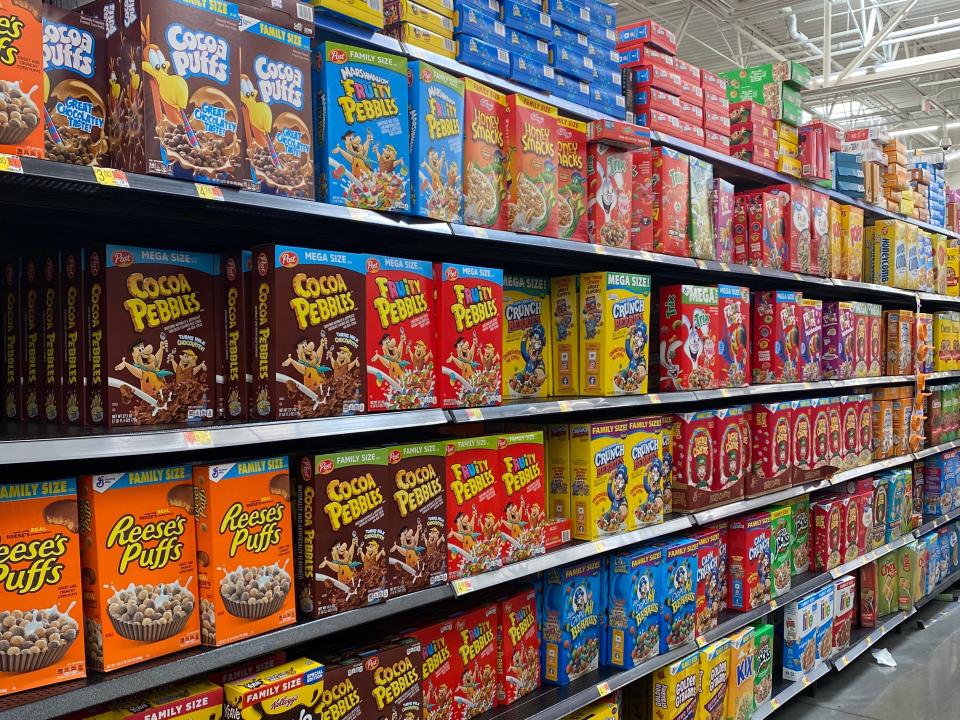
x: 73, y: 326
x: 362, y: 121
x: 518, y: 639
x: 342, y: 509
x: 233, y: 307
x: 416, y: 491
x: 469, y: 309
x: 389, y: 686
x: 400, y: 334
x: 151, y: 335
x: 13, y: 395
x: 40, y: 597
x: 474, y: 506
x: 523, y: 494
x: 308, y: 311
x: 31, y: 347
x: 50, y: 366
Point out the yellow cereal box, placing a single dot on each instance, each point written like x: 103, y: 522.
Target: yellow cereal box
x: 614, y: 333
x: 740, y: 683
x: 194, y: 700
x: 851, y: 226
x: 566, y: 332
x: 953, y: 271
x: 598, y: 496
x: 890, y: 253
x: 365, y: 12
x: 558, y: 471
x: 941, y: 341
x: 675, y: 689
x: 912, y: 244
x: 526, y: 357
x: 599, y: 710
x: 714, y: 674
x: 645, y: 472
x: 939, y: 244
x: 294, y: 689
x: 836, y: 239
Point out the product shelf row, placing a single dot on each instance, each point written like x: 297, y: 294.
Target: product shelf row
x: 787, y: 690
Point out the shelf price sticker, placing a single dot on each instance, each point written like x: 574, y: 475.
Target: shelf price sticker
x: 110, y: 177
x: 474, y: 414
x: 198, y: 438
x: 701, y: 641
x: 806, y: 681
x: 358, y: 214
x: 774, y: 704
x: 564, y: 405
x: 773, y: 605
x: 603, y: 688
x: 11, y: 164
x: 600, y: 545
x: 209, y: 192
x: 462, y: 586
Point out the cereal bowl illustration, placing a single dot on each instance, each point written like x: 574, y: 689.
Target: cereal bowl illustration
x: 255, y: 592
x: 21, y: 112
x: 34, y: 639
x: 149, y: 612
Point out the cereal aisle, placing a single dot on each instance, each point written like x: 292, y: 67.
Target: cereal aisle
x: 455, y: 359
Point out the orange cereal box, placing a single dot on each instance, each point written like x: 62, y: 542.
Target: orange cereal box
x: 523, y: 493
x: 532, y: 174
x: 571, y: 179
x: 244, y: 548
x: 484, y: 156
x: 21, y: 77
x: 139, y: 560
x: 40, y: 634
x: 474, y: 506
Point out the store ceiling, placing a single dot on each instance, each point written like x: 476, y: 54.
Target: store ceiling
x: 725, y: 34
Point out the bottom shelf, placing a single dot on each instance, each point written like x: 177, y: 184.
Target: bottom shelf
x: 787, y: 690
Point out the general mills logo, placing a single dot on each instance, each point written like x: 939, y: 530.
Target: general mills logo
x: 195, y: 52
x: 67, y: 48
x: 278, y: 82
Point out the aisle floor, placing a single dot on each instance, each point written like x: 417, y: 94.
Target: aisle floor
x: 925, y: 683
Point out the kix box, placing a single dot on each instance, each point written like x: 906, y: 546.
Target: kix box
x: 139, y: 565
x: 40, y: 567
x: 363, y: 128
x: 474, y: 506
x: 194, y: 700
x: 598, y: 460
x: 574, y: 598
x: 565, y: 309
x: 244, y: 548
x: 675, y: 689
x: 527, y: 337
x: 614, y: 333
x: 151, y: 336
x: 345, y: 522
x: 523, y: 492
x: 287, y: 692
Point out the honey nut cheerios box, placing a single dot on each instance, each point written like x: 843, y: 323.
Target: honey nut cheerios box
x: 194, y: 700
x: 485, y: 161
x: 527, y: 337
x: 139, y: 565
x: 675, y: 689
x: 285, y: 692
x: 39, y: 585
x: 244, y: 548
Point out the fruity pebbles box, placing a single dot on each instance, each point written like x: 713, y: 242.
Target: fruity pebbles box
x: 518, y: 657
x: 484, y: 156
x: 469, y: 312
x: 400, y: 334
x: 139, y: 558
x: 527, y: 335
x: 532, y: 166
x: 41, y: 593
x: 635, y: 591
x: 474, y: 506
x: 436, y: 142
x: 522, y: 491
x: 571, y: 179
x: 574, y: 598
x: 362, y: 122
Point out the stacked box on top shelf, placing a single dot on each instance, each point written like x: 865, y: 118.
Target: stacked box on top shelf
x: 867, y: 144
x: 359, y: 12
x: 480, y: 33
x: 927, y: 180
x: 818, y: 141
x: 427, y: 24
x: 753, y: 136
x: 848, y: 174
x: 895, y: 181
x: 716, y: 112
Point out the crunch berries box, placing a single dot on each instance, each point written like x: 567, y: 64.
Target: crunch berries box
x: 635, y: 592
x: 40, y: 566
x: 598, y: 464
x: 574, y: 598
x: 484, y: 156
x: 527, y: 337
x: 362, y: 123
x: 474, y: 506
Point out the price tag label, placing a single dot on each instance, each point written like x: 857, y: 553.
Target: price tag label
x: 806, y: 681
x: 209, y: 192
x: 564, y: 405
x: 474, y: 414
x: 836, y: 572
x: 111, y: 177
x: 462, y: 586
x: 600, y: 545
x: 480, y: 232
x: 603, y: 688
x: 774, y: 704
x: 701, y: 641
x: 357, y: 213
x: 725, y: 267
x: 773, y: 605
x: 701, y: 264
x: 198, y: 438
x: 11, y: 164
x: 725, y: 392
x: 600, y: 249
x: 655, y: 399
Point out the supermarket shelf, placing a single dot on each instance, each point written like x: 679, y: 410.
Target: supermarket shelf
x: 860, y: 641
x: 705, y: 517
x: 936, y: 449
x: 790, y: 690
x: 943, y: 375
x: 935, y: 299
x: 941, y: 587
x: 936, y: 522
x: 870, y: 468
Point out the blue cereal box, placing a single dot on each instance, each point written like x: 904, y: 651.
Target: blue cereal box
x: 362, y: 128
x: 436, y: 142
x: 490, y: 7
x: 569, y: 14
x: 679, y: 595
x: 601, y: 13
x: 800, y: 622
x: 602, y: 35
x: 824, y: 623
x: 572, y: 60
x: 633, y: 633
x: 535, y: 73
x: 573, y: 603
x: 521, y: 16
x: 572, y: 89
x: 483, y: 55
x: 475, y: 22
x: 523, y: 44
x: 567, y: 36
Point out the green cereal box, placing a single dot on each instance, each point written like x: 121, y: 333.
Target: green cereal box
x: 701, y: 210
x: 888, y: 584
x: 800, y: 534
x: 781, y: 550
x: 909, y: 577
x: 762, y: 664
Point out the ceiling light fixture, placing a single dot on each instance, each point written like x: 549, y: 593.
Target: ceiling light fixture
x: 914, y: 131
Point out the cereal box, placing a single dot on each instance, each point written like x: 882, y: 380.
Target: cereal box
x: 50, y: 358
x: 837, y: 361
x: 635, y: 593
x: 819, y: 233
x: 740, y: 687
x: 851, y: 261
x: 518, y: 641
x: 800, y: 636
x: 748, y: 542
x: 708, y: 580
x: 362, y: 122
x: 909, y: 576
x: 32, y: 340
x: 762, y: 664
x: 565, y: 346
x: 878, y: 533
x: 309, y: 333
x: 795, y: 202
x: 13, y: 389
x: 677, y: 619
x: 436, y: 142
x: 139, y: 547
x: 571, y: 179
x: 800, y: 534
x: 390, y: 683
x: 722, y: 198
x: 804, y: 467
x: 733, y: 449
x: 234, y: 341
x: 641, y: 226
x: 614, y: 317
x: 599, y: 505
x: 689, y: 333
x: 836, y: 267
x: 609, y: 194
x: 244, y: 547
x: 714, y: 679
x: 532, y: 166
x: 559, y: 471
x: 694, y: 438
x: 23, y: 42
x: 400, y: 334
x: 469, y: 309
x: 40, y: 550
x: 485, y: 163
x: 474, y: 506
x: 416, y: 494
x: 827, y: 516
x: 441, y: 668
x: 669, y: 454
x: 821, y: 425
x: 675, y: 689
x: 293, y: 688
x: 573, y: 601
x: 645, y: 476
x: 700, y: 222
x: 193, y: 700
x: 733, y: 345
x: 759, y: 228
x: 868, y: 594
x: 844, y: 594
x: 824, y: 633
x: 776, y: 331
x: 781, y: 547
x: 771, y: 447
x: 875, y: 359
x: 523, y: 494
x: 671, y: 201
x: 527, y: 336
x: 811, y: 339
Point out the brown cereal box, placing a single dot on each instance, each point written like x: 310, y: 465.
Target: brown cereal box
x: 389, y: 686
x: 139, y: 563
x: 13, y: 395
x: 31, y: 346
x: 233, y: 306
x: 484, y: 156
x: 290, y: 691
x: 532, y: 175
x: 21, y: 55
x: 50, y: 370
x: 73, y: 323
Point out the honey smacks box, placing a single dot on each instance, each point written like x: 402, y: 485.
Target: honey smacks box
x: 634, y: 596
x: 400, y: 334
x: 518, y: 640
x: 244, y: 548
x: 565, y: 343
x: 139, y: 560
x: 474, y: 506
x: 194, y: 700
x: 675, y: 689
x: 733, y: 343
x: 598, y: 459
x: 689, y: 334
x: 523, y: 488
x: 571, y: 179
x: 614, y: 333
x: 469, y: 313
x: 41, y: 591
x: 645, y: 472
x: 363, y: 130
x: 527, y: 337
x: 292, y: 690
x: 485, y: 161
x: 574, y: 598
x: 532, y: 163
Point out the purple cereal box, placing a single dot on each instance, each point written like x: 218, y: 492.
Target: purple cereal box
x: 723, y: 220
x: 836, y: 363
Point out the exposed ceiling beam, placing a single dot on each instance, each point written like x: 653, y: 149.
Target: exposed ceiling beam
x: 873, y: 42
x: 742, y: 29
x: 894, y: 74
x: 683, y: 26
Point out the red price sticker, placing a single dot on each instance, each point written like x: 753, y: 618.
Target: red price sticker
x: 110, y: 177
x: 10, y: 164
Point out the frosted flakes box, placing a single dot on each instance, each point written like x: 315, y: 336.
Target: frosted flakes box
x: 733, y: 344
x: 675, y: 689
x: 284, y: 692
x: 485, y: 166
x: 635, y: 592
x: 689, y: 334
x: 571, y: 178
x: 518, y: 641
x: 678, y: 616
x: 436, y: 142
x: 522, y: 491
x: 771, y: 447
x: 748, y: 545
x: 565, y: 344
x: 598, y: 460
x: 532, y: 166
x: 776, y: 336
x: 645, y: 467
x: 811, y: 339
x: 527, y: 357
x: 362, y: 122
x: 474, y: 506
x: 574, y: 598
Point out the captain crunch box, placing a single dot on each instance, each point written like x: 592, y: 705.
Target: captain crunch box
x: 771, y: 447
x: 565, y: 344
x: 532, y: 166
x: 244, y: 548
x: 139, y: 558
x: 733, y: 344
x: 523, y: 494
x: 292, y: 690
x: 559, y: 472
x: 671, y: 201
x: 614, y: 333
x: 689, y: 334
x: 574, y: 599
x: 571, y: 179
x: 748, y: 543
x: 708, y: 579
x: 635, y: 591
x: 598, y: 461
x: 527, y: 337
x: 811, y: 339
x: 645, y: 471
x: 474, y: 506
x: 400, y: 334
x: 518, y: 641
x: 40, y: 551
x: 678, y: 618
x: 485, y: 162
x: 776, y: 336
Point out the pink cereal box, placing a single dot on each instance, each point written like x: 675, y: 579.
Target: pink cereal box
x: 849, y: 410
x: 733, y: 346
x: 811, y: 339
x: 861, y: 359
x: 835, y: 431
x: 874, y: 340
x: 865, y: 428
x: 776, y: 343
x: 689, y: 331
x: 837, y: 360
x: 671, y: 200
x: 771, y: 432
x: 741, y: 228
x: 723, y: 199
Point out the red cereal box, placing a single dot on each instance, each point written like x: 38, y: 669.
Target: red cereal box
x: 741, y: 228
x: 811, y: 339
x: 865, y: 428
x: 849, y: 411
x: 803, y: 461
x: 819, y: 234
x: 796, y: 225
x: 732, y: 447
x: 722, y: 198
x: 733, y: 346
x: 474, y: 506
x: 641, y: 223
x: 532, y: 160
x: 571, y: 179
x: 844, y: 598
x: 820, y: 427
x: 609, y: 195
x: 518, y: 651
x: 748, y: 552
x: 836, y: 363
x: 771, y: 448
x: 671, y: 199
x: 762, y: 223
x: 523, y: 494
x: 835, y: 427
x: 776, y: 336
x: 469, y: 339
x: 484, y: 153
x: 400, y: 334
x: 689, y: 331
x: 709, y: 601
x: 693, y: 442
x: 857, y: 519
x: 827, y: 515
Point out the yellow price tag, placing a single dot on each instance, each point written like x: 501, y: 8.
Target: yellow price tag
x: 11, y: 164
x: 110, y: 177
x: 725, y: 267
x: 480, y: 232
x: 462, y: 586
x: 655, y: 399
x: 600, y: 545
x: 806, y: 681
x: 600, y: 249
x: 564, y: 405
x: 701, y: 264
x: 199, y: 438
x: 209, y: 192
x: 845, y: 660
x: 724, y: 392
x: 603, y: 688
x: 701, y: 641
x: 773, y: 605
x: 474, y: 414
x: 774, y: 703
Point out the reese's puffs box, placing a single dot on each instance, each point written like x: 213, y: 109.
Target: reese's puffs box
x: 40, y: 571
x: 518, y: 637
x: 474, y: 506
x: 523, y: 488
x: 21, y: 40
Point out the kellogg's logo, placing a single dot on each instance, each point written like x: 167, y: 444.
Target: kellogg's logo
x: 324, y: 467
x: 337, y: 56
x: 371, y: 664
x: 373, y: 265
x: 306, y: 469
x: 121, y: 258
x: 289, y: 259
